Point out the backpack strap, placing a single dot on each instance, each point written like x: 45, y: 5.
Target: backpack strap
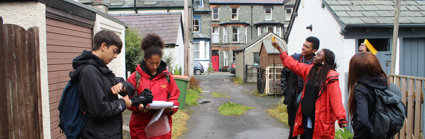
x: 138, y: 76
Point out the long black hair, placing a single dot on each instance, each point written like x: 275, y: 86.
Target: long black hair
x: 329, y: 64
x: 316, y: 80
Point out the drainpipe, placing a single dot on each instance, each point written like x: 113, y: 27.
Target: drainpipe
x: 135, y: 6
x: 251, y: 20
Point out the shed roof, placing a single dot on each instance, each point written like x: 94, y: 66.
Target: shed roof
x: 140, y: 3
x: 267, y: 44
x: 378, y: 12
x: 166, y: 25
x: 247, y: 1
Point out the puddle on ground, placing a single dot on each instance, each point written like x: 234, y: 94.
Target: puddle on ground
x: 204, y: 102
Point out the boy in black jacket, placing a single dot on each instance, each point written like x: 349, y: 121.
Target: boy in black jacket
x: 292, y: 84
x: 99, y: 87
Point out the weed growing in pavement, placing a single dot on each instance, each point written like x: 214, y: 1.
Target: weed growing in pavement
x: 343, y: 134
x: 233, y: 109
x: 193, y: 83
x: 279, y: 112
x: 237, y: 80
x: 217, y: 95
x: 192, y: 95
x: 179, y: 123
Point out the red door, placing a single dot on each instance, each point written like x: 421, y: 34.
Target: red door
x: 215, y: 62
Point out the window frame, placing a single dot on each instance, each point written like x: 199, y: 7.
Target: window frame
x: 201, y: 4
x: 218, y: 13
x: 237, y: 13
x: 271, y: 13
x: 196, y: 49
x: 288, y: 17
x: 237, y: 34
x: 215, y: 33
x: 199, y: 25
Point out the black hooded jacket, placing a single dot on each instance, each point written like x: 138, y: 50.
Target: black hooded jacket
x: 103, y: 108
x: 364, y: 97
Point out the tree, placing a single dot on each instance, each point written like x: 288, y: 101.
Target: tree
x: 133, y: 52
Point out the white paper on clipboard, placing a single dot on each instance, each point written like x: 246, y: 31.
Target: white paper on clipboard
x: 159, y: 125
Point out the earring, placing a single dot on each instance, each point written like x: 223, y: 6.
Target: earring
x: 323, y: 63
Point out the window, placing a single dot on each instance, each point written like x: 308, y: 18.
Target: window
x: 270, y: 29
x: 235, y: 34
x: 216, y: 35
x: 196, y: 50
x: 225, y: 58
x: 259, y: 31
x: 196, y: 25
x: 288, y: 13
x: 206, y: 50
x: 198, y: 3
x: 225, y: 35
x: 268, y: 13
x: 256, y: 56
x: 246, y: 35
x: 215, y: 13
x: 235, y: 13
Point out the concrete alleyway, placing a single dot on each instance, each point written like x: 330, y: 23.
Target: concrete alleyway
x: 207, y: 123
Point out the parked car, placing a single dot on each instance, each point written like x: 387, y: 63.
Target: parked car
x: 198, y: 69
x: 232, y: 68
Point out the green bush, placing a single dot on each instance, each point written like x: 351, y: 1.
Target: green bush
x: 133, y: 52
x: 210, y: 70
x: 343, y: 134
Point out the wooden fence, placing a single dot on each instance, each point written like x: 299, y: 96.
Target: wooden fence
x: 412, y: 89
x: 20, y: 91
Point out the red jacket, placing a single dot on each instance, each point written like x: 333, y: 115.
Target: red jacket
x: 161, y: 89
x: 329, y: 107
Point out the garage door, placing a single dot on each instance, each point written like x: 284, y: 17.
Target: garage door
x: 412, y: 60
x: 64, y: 42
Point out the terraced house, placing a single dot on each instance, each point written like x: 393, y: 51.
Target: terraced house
x: 236, y: 22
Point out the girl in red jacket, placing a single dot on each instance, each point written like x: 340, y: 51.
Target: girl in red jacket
x: 154, y: 76
x: 321, y: 103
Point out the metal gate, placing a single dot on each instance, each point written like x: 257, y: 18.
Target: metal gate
x: 251, y: 73
x: 261, y: 80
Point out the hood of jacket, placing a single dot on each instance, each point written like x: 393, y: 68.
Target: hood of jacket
x: 377, y: 82
x: 87, y: 58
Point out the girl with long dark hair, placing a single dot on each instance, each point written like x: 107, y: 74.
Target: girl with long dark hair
x: 364, y: 75
x: 321, y: 103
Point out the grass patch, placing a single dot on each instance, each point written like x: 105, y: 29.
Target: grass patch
x: 192, y: 95
x: 233, y: 109
x: 279, y: 113
x: 179, y: 123
x: 217, y: 95
x: 237, y: 80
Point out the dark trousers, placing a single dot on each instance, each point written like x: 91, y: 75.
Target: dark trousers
x: 308, y: 132
x: 292, y: 113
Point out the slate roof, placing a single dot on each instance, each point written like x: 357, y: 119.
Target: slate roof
x: 140, y: 3
x: 253, y: 41
x: 350, y: 12
x: 166, y: 25
x: 267, y: 44
x: 246, y: 1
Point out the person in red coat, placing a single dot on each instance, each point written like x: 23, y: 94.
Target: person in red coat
x: 321, y: 103
x: 154, y: 74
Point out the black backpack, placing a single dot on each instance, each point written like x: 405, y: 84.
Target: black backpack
x: 71, y: 118
x: 389, y: 114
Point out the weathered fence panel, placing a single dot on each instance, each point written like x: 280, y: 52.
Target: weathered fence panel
x: 20, y: 84
x: 412, y: 89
